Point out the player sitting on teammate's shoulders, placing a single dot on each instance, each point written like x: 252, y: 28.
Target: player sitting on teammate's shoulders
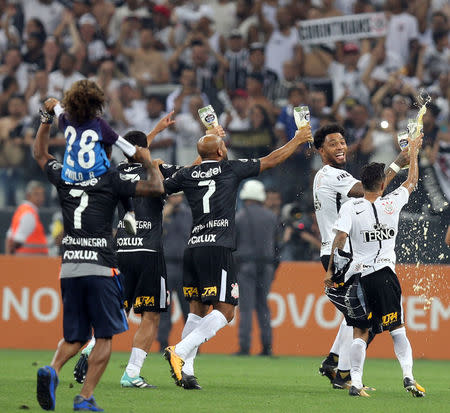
x: 85, y: 131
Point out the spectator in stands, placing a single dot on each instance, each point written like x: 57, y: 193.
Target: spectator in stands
x: 163, y: 146
x: 246, y: 19
x: 51, y: 54
x: 226, y: 20
x: 402, y: 28
x: 14, y: 66
x: 437, y: 56
x: 378, y: 65
x: 162, y: 28
x: 147, y: 65
x: 188, y: 127
x: 26, y: 235
x: 131, y: 10
x: 401, y: 106
x: 34, y: 56
x: 178, y: 100
x: 61, y: 80
x: 37, y: 92
x: 237, y: 56
x: 289, y: 80
x: 381, y: 139
x: 9, y: 35
x: 94, y: 48
x: 255, y: 94
x: 430, y: 126
x: 257, y: 64
x: 10, y: 87
x: 346, y: 76
x: 236, y: 118
x: 48, y: 11
x: 281, y: 43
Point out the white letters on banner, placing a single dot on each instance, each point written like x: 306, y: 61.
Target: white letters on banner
x: 333, y: 29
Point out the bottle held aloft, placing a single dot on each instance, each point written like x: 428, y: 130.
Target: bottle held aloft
x: 208, y: 117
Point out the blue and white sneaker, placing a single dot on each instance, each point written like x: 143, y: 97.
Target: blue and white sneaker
x: 47, y: 381
x: 137, y: 382
x: 87, y: 405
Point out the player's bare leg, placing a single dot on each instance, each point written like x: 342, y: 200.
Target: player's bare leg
x: 142, y: 341
x: 98, y: 360
x: 64, y: 352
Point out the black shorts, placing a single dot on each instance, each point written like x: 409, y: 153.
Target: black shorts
x: 209, y: 275
x: 145, y: 281
x: 383, y: 296
x: 92, y: 302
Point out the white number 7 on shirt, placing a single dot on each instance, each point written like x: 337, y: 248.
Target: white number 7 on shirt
x: 211, y: 184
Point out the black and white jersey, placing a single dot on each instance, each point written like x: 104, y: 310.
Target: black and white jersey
x: 88, y: 211
x: 330, y: 189
x: 372, y: 229
x: 147, y: 210
x: 211, y: 190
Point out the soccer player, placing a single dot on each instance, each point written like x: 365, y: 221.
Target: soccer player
x: 332, y: 187
x: 85, y: 131
x: 90, y: 287
x: 209, y: 277
x: 371, y: 225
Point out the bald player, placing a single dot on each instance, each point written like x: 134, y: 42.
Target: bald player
x: 209, y: 276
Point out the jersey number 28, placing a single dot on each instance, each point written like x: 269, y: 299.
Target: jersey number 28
x: 85, y: 147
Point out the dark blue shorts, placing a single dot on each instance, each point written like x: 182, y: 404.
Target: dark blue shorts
x: 92, y: 302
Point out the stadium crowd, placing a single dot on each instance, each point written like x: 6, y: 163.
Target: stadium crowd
x: 246, y: 59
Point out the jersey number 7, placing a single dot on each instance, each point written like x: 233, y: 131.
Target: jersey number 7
x: 211, y: 184
x: 76, y: 193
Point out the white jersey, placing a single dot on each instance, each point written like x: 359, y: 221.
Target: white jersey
x: 372, y: 229
x: 330, y: 191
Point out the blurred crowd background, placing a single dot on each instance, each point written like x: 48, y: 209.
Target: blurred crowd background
x: 245, y: 58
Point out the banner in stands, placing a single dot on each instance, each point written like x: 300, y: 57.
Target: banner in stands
x: 333, y: 29
x: 304, y: 322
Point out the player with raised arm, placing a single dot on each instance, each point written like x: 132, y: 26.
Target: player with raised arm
x: 90, y: 288
x: 85, y: 131
x: 209, y: 277
x: 372, y: 297
x: 333, y: 185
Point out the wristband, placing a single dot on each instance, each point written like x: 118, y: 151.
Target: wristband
x: 45, y: 117
x: 394, y: 167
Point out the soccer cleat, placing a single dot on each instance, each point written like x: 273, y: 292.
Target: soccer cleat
x: 137, y: 382
x: 80, y: 370
x: 328, y: 368
x: 189, y: 382
x: 340, y: 382
x: 129, y: 222
x: 413, y: 387
x: 47, y: 381
x: 86, y: 405
x: 176, y: 364
x: 353, y: 391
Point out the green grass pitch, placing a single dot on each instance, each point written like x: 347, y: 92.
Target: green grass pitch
x: 230, y: 384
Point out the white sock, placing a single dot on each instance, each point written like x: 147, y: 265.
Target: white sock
x: 87, y: 350
x: 192, y: 322
x: 357, y: 357
x: 206, y: 329
x: 337, y: 341
x: 136, y: 362
x: 403, y: 351
x: 346, y: 339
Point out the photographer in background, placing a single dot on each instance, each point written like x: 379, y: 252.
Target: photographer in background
x: 256, y: 235
x: 301, y: 241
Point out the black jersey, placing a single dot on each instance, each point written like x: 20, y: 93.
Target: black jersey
x: 88, y: 210
x: 211, y: 190
x: 147, y: 210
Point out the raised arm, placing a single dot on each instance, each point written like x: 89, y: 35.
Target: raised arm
x: 153, y: 186
x: 413, y: 173
x: 281, y: 154
x: 339, y: 243
x: 163, y: 123
x: 40, y: 145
